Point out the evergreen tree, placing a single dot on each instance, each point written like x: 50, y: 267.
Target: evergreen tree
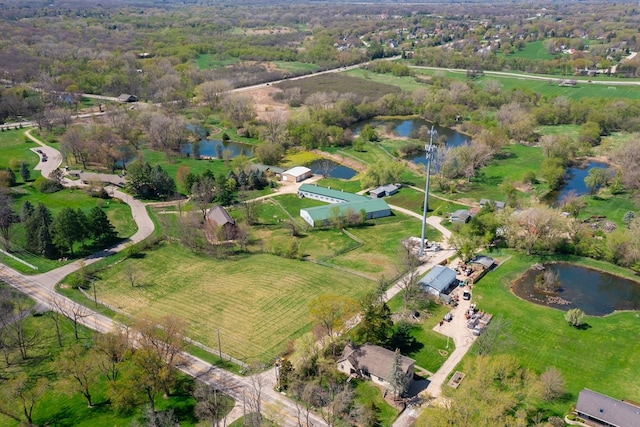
x: 83, y: 227
x: 99, y: 225
x: 27, y: 211
x: 396, y: 376
x: 37, y: 232
x: 66, y: 229
x: 12, y: 177
x: 25, y: 172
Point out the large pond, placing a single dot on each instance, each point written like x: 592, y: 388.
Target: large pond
x: 331, y: 169
x: 410, y: 128
x: 595, y: 292
x: 209, y: 148
x: 574, y: 180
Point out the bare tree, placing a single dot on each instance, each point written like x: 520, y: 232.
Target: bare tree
x: 7, y: 219
x: 238, y: 108
x: 24, y: 392
x: 407, y: 267
x: 110, y: 351
x: 14, y: 326
x: 80, y: 370
x: 132, y: 274
x: 72, y: 310
x: 256, y: 384
x: 211, y: 92
x: 553, y: 384
x: 212, y: 404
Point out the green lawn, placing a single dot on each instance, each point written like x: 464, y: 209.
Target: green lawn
x: 413, y: 200
x: 368, y: 394
x: 515, y: 161
x: 118, y: 213
x: 14, y: 150
x: 259, y: 302
x: 613, y: 207
x: 208, y: 61
x: 602, y: 357
x: 352, y: 186
x: 533, y: 50
x: 408, y: 84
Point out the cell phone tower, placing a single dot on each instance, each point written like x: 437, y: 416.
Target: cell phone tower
x: 430, y: 151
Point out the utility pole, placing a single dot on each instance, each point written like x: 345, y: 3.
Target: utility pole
x: 430, y: 151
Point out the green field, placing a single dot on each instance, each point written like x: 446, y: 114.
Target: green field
x: 368, y: 394
x: 208, y: 61
x: 533, y: 50
x: 602, y: 357
x: 259, y: 302
x: 14, y: 149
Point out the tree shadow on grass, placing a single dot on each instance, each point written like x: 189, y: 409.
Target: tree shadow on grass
x: 584, y: 327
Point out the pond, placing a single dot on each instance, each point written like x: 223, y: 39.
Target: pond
x: 574, y: 180
x: 595, y: 292
x: 331, y: 169
x: 209, y: 148
x: 409, y: 129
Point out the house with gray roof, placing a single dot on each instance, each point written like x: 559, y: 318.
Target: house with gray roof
x: 218, y: 216
x: 373, y: 362
x: 461, y: 216
x: 438, y: 280
x: 384, y: 191
x: 602, y: 410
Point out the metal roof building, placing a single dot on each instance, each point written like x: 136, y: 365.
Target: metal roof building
x: 438, y: 280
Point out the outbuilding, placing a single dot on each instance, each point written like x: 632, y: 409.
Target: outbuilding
x: 438, y: 280
x: 125, y: 97
x: 296, y: 174
x: 461, y: 216
x: 384, y: 191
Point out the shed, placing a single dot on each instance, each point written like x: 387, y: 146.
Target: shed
x: 374, y: 363
x: 384, y: 191
x: 125, y: 97
x: 484, y: 261
x: 602, y: 410
x: 438, y: 280
x: 219, y: 217
x: 461, y: 216
x: 296, y: 174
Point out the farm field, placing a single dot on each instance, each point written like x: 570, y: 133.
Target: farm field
x: 296, y: 67
x: 341, y: 83
x: 259, y: 302
x: 609, y: 341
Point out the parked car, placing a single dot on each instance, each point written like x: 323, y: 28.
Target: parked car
x: 448, y: 317
x: 466, y: 295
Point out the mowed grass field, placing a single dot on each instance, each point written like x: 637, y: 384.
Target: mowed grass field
x: 602, y: 357
x: 341, y: 83
x: 14, y: 149
x: 259, y: 302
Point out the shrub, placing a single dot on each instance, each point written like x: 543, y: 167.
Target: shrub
x: 46, y: 186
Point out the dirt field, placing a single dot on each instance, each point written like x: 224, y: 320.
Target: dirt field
x: 265, y: 105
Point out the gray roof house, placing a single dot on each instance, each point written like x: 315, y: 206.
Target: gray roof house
x: 219, y: 217
x: 602, y: 410
x: 384, y: 190
x: 438, y: 280
x: 461, y: 216
x: 125, y: 97
x: 374, y: 363
x: 498, y: 204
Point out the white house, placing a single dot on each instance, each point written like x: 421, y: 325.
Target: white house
x: 296, y: 174
x: 373, y: 362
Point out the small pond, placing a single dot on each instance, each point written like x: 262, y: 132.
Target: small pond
x: 209, y: 148
x: 410, y: 128
x: 574, y: 180
x: 595, y: 292
x: 331, y: 169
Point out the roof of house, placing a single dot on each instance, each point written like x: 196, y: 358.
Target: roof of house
x: 320, y: 213
x: 297, y: 171
x: 461, y: 215
x: 220, y: 216
x: 499, y: 204
x: 336, y: 194
x: 389, y: 188
x: 104, y: 178
x: 267, y: 168
x: 613, y: 411
x: 439, y: 278
x: 373, y: 359
x: 126, y: 97
x: 485, y: 261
